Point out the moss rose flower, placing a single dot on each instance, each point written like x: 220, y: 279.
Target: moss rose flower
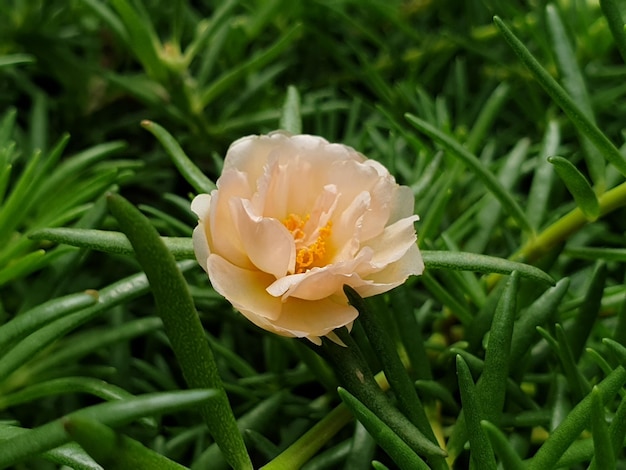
x: 292, y: 220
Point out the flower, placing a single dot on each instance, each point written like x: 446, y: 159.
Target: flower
x: 292, y: 220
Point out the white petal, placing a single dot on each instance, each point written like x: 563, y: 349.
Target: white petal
x: 319, y: 283
x: 221, y: 230
x: 393, y: 243
x: 347, y: 225
x: 201, y: 245
x: 268, y: 244
x: 243, y: 288
x: 304, y: 319
x: 200, y: 205
x: 394, y: 274
x: 403, y: 204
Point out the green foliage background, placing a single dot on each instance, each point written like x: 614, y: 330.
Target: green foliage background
x: 510, y: 132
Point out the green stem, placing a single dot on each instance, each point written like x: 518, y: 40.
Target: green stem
x: 561, y: 230
x: 297, y: 454
x: 568, y: 224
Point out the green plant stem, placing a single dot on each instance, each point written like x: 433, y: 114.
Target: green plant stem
x: 568, y: 224
x: 563, y: 228
x: 310, y: 443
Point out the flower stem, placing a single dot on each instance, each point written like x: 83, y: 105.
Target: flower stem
x: 560, y: 230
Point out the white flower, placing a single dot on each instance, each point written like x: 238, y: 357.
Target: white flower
x: 292, y: 220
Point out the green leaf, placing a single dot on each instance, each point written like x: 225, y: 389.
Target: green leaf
x: 182, y: 326
x: 109, y: 18
x: 502, y: 447
x: 186, y: 167
x: 291, y: 120
x: 395, y: 447
x: 491, y: 386
x: 576, y: 421
x: 109, y: 296
x: 70, y: 168
x: 305, y: 447
x: 537, y: 314
x: 613, y: 14
x: 141, y: 39
x: 399, y: 380
x: 208, y: 28
x: 9, y: 60
x: 23, y: 266
x: 578, y: 186
x: 489, y: 180
x: 592, y: 253
x: 113, y: 450
x: 604, y: 454
x: 73, y: 349
x: 116, y: 413
x: 543, y: 177
x: 109, y: 241
x: 410, y: 332
x: 70, y: 385
x: 11, y: 212
x: 488, y: 115
x: 574, y: 84
x: 578, y: 384
x: 228, y: 79
x: 588, y: 313
x: 481, y: 452
x: 482, y: 264
x: 258, y: 419
x: 34, y: 318
x: 563, y: 100
x: 71, y: 454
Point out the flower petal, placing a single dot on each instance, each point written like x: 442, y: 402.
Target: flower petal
x: 304, y: 319
x: 268, y: 244
x: 219, y: 226
x: 393, y: 243
x: 201, y: 246
x: 394, y: 274
x: 244, y: 289
x: 319, y: 283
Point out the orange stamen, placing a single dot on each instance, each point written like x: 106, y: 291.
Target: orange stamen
x: 313, y: 254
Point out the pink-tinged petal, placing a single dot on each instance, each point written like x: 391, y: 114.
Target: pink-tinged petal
x: 304, y: 319
x: 222, y: 234
x: 319, y: 283
x: 244, y: 289
x: 403, y: 204
x: 249, y: 154
x: 347, y: 225
x: 353, y: 178
x: 268, y: 244
x: 201, y: 246
x: 411, y: 264
x: 393, y: 243
x: 323, y: 210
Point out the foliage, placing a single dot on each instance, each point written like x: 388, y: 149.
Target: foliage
x: 505, y: 120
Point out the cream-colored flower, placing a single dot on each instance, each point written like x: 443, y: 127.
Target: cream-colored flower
x: 292, y: 220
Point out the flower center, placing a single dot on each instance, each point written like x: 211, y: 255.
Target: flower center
x: 312, y: 254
